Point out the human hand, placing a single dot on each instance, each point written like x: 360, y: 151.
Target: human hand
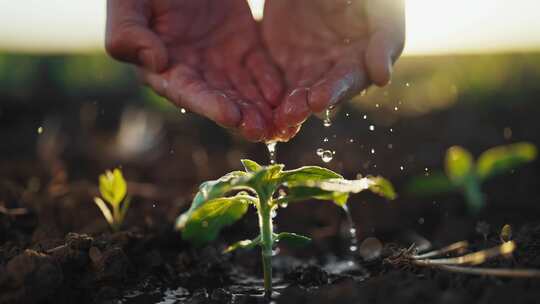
x: 205, y: 56
x: 330, y: 50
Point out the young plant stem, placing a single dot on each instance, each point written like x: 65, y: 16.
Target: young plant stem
x: 265, y: 222
x: 474, y: 196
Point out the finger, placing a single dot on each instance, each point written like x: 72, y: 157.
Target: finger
x: 267, y: 77
x: 313, y: 73
x: 286, y: 134
x: 294, y: 110
x: 343, y: 81
x: 185, y: 87
x: 244, y: 84
x: 129, y: 38
x: 387, y: 23
x: 254, y: 125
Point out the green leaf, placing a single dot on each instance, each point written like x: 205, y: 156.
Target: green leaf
x: 113, y: 187
x: 204, y: 224
x: 302, y: 193
x: 311, y: 173
x: 382, y: 187
x: 434, y: 184
x: 237, y: 180
x: 292, y: 239
x: 459, y: 163
x: 245, y: 244
x: 250, y: 165
x: 503, y: 158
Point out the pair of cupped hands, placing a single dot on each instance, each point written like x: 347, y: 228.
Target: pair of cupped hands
x: 262, y: 79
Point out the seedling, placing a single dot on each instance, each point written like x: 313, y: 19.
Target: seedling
x: 222, y: 202
x: 465, y: 175
x: 113, y: 190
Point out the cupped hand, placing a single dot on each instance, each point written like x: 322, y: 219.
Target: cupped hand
x: 330, y: 51
x: 204, y: 55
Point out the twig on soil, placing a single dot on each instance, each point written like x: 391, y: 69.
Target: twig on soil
x: 453, y: 264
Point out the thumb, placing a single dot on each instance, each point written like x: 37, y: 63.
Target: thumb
x: 129, y: 38
x: 386, y: 20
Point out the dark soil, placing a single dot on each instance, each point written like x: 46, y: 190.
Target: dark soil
x: 56, y: 248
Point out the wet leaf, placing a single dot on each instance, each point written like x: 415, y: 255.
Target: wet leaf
x: 113, y: 187
x: 292, y: 239
x: 203, y: 224
x: 304, y: 174
x: 250, y: 166
x: 434, y: 184
x: 301, y: 193
x: 503, y: 158
x: 459, y: 163
x: 245, y: 244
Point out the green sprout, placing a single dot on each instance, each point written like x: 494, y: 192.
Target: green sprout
x: 222, y: 202
x: 113, y: 190
x: 463, y: 174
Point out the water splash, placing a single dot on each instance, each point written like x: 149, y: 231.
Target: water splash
x: 353, y: 242
x: 272, y: 151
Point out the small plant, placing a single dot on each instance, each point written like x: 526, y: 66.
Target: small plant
x: 466, y: 175
x: 113, y: 190
x: 222, y: 202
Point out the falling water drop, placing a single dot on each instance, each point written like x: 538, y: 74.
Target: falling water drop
x: 353, y: 242
x: 327, y: 156
x: 325, y: 139
x: 365, y: 117
x: 401, y: 168
x: 271, y: 146
x: 320, y: 152
x: 183, y: 111
x: 372, y: 151
x: 40, y: 130
x: 327, y: 122
x: 372, y: 128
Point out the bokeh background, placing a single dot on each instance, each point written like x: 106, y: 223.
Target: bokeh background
x: 470, y: 75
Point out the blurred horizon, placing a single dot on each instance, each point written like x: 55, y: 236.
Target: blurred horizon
x: 433, y: 27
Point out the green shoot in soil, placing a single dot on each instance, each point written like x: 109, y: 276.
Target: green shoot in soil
x: 113, y: 190
x: 465, y: 175
x: 222, y: 202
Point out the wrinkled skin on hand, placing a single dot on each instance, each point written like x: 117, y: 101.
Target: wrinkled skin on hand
x: 330, y: 51
x: 264, y: 81
x: 203, y: 55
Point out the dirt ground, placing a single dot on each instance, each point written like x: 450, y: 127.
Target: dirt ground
x: 56, y: 248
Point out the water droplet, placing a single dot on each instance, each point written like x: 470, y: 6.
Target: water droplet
x: 370, y: 249
x: 421, y: 221
x: 351, y: 140
x: 353, y: 245
x: 325, y: 139
x: 407, y: 85
x: 183, y: 111
x: 401, y: 168
x: 154, y: 205
x: 391, y: 130
x: 347, y: 114
x: 271, y: 146
x: 275, y: 252
x: 284, y: 205
x: 377, y: 105
x: 365, y: 117
x: 172, y: 151
x: 390, y: 146
x: 327, y: 156
x: 372, y: 128
x: 40, y: 130
x: 320, y: 152
x: 327, y: 122
x: 273, y: 213
x: 372, y: 151
x: 396, y: 108
x: 507, y: 133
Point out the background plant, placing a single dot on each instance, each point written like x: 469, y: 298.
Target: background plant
x: 464, y: 174
x: 223, y: 201
x: 113, y: 190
